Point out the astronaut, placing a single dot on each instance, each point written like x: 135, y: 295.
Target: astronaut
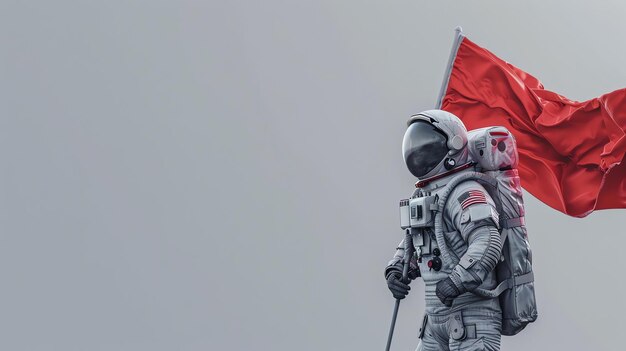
x: 435, y: 151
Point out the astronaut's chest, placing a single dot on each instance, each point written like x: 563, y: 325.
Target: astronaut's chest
x: 426, y: 249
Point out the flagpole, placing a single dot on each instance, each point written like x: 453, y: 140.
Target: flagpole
x: 458, y: 38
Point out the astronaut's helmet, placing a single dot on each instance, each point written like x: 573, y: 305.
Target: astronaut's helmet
x: 434, y: 142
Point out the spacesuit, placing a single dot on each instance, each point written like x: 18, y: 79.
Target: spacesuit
x: 435, y: 151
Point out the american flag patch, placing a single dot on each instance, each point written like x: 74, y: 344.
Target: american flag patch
x: 472, y: 197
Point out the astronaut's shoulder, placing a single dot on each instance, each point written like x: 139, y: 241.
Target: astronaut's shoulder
x: 469, y: 193
x: 473, y: 204
x: 469, y: 186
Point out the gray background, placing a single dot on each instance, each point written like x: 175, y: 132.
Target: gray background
x: 224, y: 175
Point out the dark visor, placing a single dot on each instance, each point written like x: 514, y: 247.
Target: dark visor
x: 424, y: 146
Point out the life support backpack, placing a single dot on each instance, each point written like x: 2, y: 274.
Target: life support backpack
x: 494, y: 151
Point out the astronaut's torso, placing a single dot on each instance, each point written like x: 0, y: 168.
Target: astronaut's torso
x: 429, y: 257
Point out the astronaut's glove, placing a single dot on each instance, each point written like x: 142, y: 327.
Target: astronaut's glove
x: 398, y: 288
x: 447, y: 291
x: 414, y: 269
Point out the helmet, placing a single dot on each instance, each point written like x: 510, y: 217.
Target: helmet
x: 434, y: 142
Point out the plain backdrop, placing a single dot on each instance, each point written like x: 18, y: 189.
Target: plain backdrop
x: 225, y: 175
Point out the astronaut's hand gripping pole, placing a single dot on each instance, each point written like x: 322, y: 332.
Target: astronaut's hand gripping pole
x: 408, y: 252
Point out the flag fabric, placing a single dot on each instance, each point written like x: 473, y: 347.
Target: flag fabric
x: 571, y: 153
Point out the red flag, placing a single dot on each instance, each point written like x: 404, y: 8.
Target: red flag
x: 571, y: 152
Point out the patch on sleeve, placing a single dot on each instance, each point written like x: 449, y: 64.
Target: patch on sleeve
x: 472, y: 197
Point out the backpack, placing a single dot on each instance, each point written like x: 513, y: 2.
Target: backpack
x: 494, y: 151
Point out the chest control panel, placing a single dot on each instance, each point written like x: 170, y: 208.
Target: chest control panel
x: 417, y: 212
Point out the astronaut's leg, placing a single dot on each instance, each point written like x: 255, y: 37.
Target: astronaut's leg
x: 433, y: 334
x: 475, y: 330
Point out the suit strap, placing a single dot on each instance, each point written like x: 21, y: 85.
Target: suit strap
x: 512, y: 222
x: 507, y: 284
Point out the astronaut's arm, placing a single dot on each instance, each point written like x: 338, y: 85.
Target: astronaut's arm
x: 480, y: 259
x: 475, y: 217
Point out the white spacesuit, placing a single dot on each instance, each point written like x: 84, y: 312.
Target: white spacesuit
x: 435, y: 149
